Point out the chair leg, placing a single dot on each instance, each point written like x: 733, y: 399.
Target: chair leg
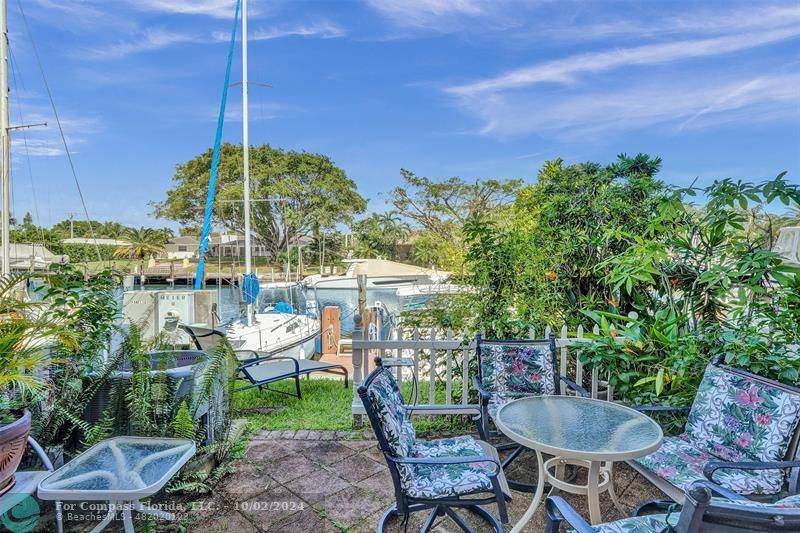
x: 501, y: 500
x: 482, y: 422
x: 457, y: 519
x: 554, y: 518
x: 297, y: 386
x: 428, y: 525
x: 513, y: 455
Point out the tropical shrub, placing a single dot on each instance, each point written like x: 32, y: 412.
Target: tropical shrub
x: 533, y: 264
x: 704, y: 288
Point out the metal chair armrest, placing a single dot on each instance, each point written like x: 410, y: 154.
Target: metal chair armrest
x: 468, y: 409
x: 482, y: 392
x: 659, y: 408
x: 574, y: 386
x: 40, y: 453
x: 713, y: 466
x: 654, y: 506
x: 720, y: 491
x: 269, y: 359
x: 461, y: 459
x: 255, y: 353
x: 558, y: 510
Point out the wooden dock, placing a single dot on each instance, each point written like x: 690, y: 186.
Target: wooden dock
x: 175, y: 274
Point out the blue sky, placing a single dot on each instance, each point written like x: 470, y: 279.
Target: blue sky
x: 475, y: 88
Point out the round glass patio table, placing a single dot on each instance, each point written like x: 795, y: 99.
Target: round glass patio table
x: 579, y: 431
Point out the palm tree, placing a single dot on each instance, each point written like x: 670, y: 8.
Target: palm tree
x: 112, y: 230
x: 142, y: 243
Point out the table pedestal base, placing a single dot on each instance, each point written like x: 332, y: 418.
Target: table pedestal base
x: 600, y: 479
x: 125, y: 507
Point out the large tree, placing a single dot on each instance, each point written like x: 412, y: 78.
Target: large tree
x: 295, y: 194
x: 437, y: 211
x: 442, y: 207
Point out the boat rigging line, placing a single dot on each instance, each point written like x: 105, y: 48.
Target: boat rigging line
x: 60, y: 130
x: 14, y: 76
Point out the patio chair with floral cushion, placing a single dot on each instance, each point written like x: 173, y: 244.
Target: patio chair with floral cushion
x: 439, y: 475
x: 741, y: 433
x: 707, y: 508
x: 508, y: 370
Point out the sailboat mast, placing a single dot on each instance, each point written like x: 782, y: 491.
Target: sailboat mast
x: 5, y: 132
x: 246, y: 156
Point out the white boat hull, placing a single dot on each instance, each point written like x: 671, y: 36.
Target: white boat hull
x: 347, y: 282
x: 277, y: 334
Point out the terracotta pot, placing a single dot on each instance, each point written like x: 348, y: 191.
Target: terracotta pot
x: 13, y: 440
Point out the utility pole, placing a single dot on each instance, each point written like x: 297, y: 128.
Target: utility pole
x: 71, y: 225
x: 6, y: 145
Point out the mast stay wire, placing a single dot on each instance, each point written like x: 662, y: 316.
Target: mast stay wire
x: 38, y: 219
x: 60, y: 130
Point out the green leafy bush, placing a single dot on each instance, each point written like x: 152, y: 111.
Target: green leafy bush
x: 705, y: 288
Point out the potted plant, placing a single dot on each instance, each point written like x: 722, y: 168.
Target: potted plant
x: 26, y: 331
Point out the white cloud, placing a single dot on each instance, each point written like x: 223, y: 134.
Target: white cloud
x: 321, y: 29
x: 706, y: 22
x: 149, y: 40
x: 78, y: 16
x: 324, y: 30
x: 566, y: 70
x: 679, y: 105
x: 45, y: 141
x: 430, y: 14
x: 211, y: 8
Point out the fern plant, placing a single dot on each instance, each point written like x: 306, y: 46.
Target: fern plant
x: 183, y: 427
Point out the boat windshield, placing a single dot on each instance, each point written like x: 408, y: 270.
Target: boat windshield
x: 292, y: 299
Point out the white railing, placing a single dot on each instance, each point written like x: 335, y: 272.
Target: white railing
x: 451, y: 358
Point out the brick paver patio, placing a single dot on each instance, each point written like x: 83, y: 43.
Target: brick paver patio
x: 298, y: 481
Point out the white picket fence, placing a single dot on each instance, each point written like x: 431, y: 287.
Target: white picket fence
x: 449, y: 357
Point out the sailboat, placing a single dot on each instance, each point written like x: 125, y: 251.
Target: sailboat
x: 283, y: 330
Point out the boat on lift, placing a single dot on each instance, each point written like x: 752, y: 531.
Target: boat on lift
x: 417, y: 297
x: 381, y: 274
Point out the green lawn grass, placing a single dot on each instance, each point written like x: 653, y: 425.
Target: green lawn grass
x: 325, y: 405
